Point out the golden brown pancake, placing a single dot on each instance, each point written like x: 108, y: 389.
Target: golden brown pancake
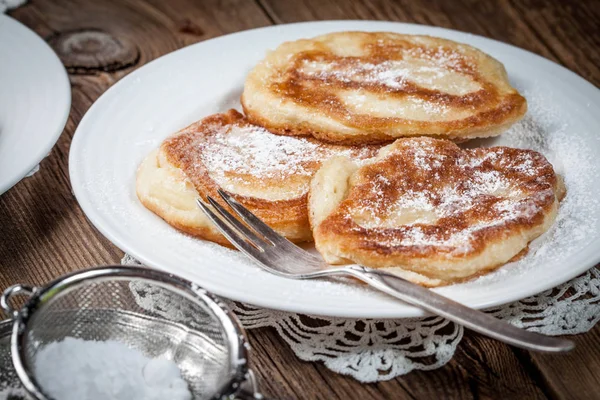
x: 432, y: 212
x: 268, y: 174
x: 368, y: 87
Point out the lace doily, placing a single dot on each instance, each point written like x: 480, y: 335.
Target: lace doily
x: 374, y: 350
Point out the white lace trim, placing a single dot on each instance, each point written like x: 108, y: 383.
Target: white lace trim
x: 571, y: 308
x: 374, y: 350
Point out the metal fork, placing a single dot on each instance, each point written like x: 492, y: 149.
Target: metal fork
x: 279, y: 256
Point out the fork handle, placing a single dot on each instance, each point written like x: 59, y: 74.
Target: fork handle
x: 470, y: 318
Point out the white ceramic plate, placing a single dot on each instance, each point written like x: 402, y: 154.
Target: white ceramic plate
x: 35, y: 99
x: 135, y: 115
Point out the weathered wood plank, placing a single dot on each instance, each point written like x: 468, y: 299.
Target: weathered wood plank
x: 569, y: 29
x: 45, y: 234
x: 575, y: 375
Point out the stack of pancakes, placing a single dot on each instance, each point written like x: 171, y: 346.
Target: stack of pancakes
x: 348, y: 140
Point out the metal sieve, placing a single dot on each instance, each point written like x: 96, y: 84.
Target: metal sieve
x: 189, y: 326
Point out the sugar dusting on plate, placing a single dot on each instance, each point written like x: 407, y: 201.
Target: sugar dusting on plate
x: 545, y: 130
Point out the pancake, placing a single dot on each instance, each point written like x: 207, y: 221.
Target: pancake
x: 268, y: 174
x: 431, y: 212
x: 368, y: 87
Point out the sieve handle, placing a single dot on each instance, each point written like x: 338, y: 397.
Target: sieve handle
x: 12, y: 291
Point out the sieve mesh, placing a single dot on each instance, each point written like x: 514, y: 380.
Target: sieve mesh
x: 107, y: 310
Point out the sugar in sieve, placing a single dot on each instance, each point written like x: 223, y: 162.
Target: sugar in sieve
x: 191, y: 327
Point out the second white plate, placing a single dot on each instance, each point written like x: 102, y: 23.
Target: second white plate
x: 134, y: 116
x: 35, y: 99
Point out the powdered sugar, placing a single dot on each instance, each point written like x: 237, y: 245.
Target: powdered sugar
x: 75, y: 369
x: 234, y: 152
x: 392, y: 74
x: 491, y: 183
x: 425, y: 158
x: 436, y: 69
x: 253, y: 150
x: 422, y: 211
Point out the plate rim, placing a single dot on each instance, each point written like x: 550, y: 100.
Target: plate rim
x: 408, y: 312
x: 57, y: 131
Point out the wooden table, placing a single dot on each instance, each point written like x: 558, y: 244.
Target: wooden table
x: 44, y: 233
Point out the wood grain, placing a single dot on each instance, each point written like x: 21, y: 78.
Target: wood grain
x: 89, y: 51
x: 45, y: 234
